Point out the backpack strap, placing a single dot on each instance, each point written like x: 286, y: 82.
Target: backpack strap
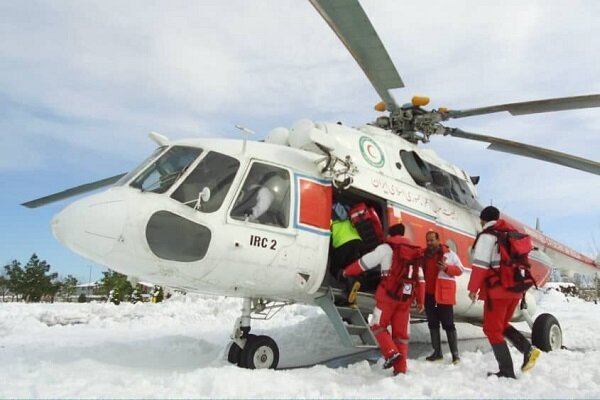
x: 402, y: 274
x: 486, y: 230
x: 494, y: 273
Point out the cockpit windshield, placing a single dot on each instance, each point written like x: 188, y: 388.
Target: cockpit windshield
x: 163, y: 173
x: 127, y: 177
x: 207, y: 185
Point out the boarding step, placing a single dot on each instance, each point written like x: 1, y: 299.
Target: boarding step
x: 349, y: 323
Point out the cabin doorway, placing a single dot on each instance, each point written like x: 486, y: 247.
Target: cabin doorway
x: 363, y: 217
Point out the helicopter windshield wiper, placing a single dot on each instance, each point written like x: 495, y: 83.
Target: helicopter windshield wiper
x: 165, y: 181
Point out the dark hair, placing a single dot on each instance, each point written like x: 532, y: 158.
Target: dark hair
x: 396, y: 230
x: 437, y: 235
x: 490, y: 213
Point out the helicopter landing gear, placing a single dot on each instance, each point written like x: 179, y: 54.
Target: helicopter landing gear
x: 546, y: 333
x: 248, y: 350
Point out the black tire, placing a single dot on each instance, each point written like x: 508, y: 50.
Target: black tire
x: 234, y: 353
x: 241, y: 362
x: 259, y: 352
x: 546, y: 333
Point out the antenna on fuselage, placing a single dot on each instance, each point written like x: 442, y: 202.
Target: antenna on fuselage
x: 246, y: 132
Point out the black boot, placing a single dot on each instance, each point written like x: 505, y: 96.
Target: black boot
x: 352, y: 288
x: 521, y: 343
x: 453, y: 344
x: 389, y: 362
x: 504, y: 359
x: 436, y: 344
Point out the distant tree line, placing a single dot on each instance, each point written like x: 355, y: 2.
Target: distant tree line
x: 33, y: 282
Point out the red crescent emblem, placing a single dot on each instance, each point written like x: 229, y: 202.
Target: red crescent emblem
x: 369, y: 147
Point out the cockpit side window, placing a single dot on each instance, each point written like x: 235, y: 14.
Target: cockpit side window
x: 127, y: 177
x: 265, y: 196
x: 436, y: 179
x: 461, y: 191
x: 163, y: 173
x: 416, y: 167
x: 213, y: 175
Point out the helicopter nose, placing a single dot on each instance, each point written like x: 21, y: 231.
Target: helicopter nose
x: 63, y: 223
x: 91, y: 226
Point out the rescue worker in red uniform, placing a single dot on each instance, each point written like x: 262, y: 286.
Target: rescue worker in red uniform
x: 400, y: 284
x: 440, y: 265
x: 499, y: 303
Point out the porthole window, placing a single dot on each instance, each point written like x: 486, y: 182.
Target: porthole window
x: 175, y: 238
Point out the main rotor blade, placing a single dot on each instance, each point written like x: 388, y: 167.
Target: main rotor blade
x: 349, y: 21
x: 533, y: 107
x: 74, y: 191
x: 527, y: 150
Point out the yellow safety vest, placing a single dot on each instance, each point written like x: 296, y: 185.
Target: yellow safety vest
x: 342, y: 232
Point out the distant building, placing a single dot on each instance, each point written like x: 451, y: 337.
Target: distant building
x: 89, y: 290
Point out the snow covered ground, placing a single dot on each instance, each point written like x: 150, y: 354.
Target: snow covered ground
x: 176, y: 350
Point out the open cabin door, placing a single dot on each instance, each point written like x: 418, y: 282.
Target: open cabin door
x: 312, y: 218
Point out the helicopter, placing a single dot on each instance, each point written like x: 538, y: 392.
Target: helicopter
x: 178, y: 219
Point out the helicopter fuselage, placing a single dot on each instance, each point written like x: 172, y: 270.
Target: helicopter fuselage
x: 176, y: 220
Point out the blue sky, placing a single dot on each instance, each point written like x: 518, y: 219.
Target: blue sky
x: 83, y: 83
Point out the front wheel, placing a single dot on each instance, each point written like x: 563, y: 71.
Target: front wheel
x: 234, y: 355
x: 546, y: 333
x: 260, y: 352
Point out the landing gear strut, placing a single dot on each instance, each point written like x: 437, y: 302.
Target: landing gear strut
x: 253, y: 351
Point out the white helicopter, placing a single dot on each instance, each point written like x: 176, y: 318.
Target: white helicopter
x: 182, y: 218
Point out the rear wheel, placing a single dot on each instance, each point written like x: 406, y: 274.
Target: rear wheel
x: 546, y: 333
x: 260, y: 352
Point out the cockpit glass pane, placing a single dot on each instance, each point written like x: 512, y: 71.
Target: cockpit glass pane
x: 140, y: 167
x: 437, y: 180
x: 207, y: 185
x: 264, y: 197
x: 163, y: 173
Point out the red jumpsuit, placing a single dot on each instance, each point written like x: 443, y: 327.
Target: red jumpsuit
x: 401, y: 282
x: 499, y: 303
